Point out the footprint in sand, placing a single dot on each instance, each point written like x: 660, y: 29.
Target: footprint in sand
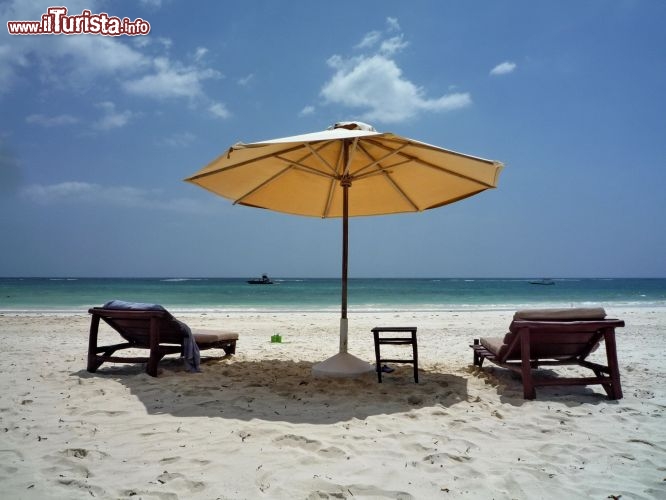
x: 180, y: 482
x: 139, y: 493
x: 70, y: 469
x: 332, y: 452
x: 263, y: 482
x: 357, y: 490
x: 299, y: 442
x: 109, y: 413
x: 93, y: 491
x: 445, y: 458
x: 82, y: 453
x: 74, y: 459
x: 8, y: 457
x: 643, y: 394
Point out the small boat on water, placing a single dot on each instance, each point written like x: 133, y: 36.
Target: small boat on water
x: 264, y: 280
x: 545, y: 281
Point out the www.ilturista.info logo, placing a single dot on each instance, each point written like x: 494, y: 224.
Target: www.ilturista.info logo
x: 57, y: 22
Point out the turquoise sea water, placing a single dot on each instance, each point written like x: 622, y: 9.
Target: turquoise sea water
x: 228, y: 294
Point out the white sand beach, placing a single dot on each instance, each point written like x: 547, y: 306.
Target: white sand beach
x: 258, y: 425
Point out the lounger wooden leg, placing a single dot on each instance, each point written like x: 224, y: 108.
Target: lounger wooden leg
x: 613, y: 368
x: 478, y: 360
x: 378, y: 365
x: 231, y: 348
x: 529, y: 391
x: 93, y: 360
x: 415, y: 355
x: 151, y: 368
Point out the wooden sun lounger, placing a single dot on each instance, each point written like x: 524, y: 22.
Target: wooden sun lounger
x: 555, y: 337
x: 155, y: 330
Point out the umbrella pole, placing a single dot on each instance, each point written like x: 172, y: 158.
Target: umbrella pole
x: 343, y: 364
x: 345, y: 261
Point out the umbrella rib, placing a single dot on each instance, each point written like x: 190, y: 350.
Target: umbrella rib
x: 303, y: 168
x: 378, y: 161
x: 291, y: 165
x: 449, y: 171
x: 400, y: 191
x: 331, y: 190
x: 241, y: 164
x: 438, y: 167
x: 395, y: 186
x: 350, y: 157
x: 297, y: 165
x: 259, y: 186
x: 382, y: 171
x: 315, y: 152
x: 423, y: 145
x: 329, y: 199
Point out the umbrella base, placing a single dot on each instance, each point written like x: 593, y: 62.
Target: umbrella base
x: 342, y: 365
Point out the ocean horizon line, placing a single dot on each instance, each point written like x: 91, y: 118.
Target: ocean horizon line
x: 323, y: 294
x: 244, y: 277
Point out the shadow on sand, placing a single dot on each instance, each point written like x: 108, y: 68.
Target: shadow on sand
x: 510, y: 388
x: 278, y: 390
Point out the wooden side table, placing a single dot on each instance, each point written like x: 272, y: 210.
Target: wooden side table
x: 396, y: 340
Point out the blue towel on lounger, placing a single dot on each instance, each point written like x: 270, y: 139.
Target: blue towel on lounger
x: 191, y: 355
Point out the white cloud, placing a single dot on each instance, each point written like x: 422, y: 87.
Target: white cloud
x: 369, y: 40
x: 180, y: 140
x: 66, y: 61
x: 219, y: 110
x: 100, y: 54
x: 307, y: 110
x: 11, y: 61
x: 165, y: 42
x: 145, y: 41
x: 392, y: 24
x: 393, y: 45
x: 155, y: 4
x: 199, y: 53
x: 111, y: 118
x: 244, y: 81
x: 375, y: 84
x: 141, y: 41
x: 503, y: 68
x: 10, y: 167
x: 51, y: 121
x: 137, y: 65
x: 60, y: 192
x: 171, y: 80
x: 116, y: 196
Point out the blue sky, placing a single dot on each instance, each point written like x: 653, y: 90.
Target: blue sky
x: 97, y: 133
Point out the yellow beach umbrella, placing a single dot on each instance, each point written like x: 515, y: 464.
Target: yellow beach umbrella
x: 346, y: 171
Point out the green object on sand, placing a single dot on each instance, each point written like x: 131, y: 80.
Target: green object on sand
x: 276, y: 339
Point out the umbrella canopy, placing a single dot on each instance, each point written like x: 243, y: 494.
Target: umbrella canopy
x: 303, y: 174
x: 312, y: 175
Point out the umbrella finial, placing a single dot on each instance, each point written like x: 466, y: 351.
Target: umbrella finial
x: 353, y: 126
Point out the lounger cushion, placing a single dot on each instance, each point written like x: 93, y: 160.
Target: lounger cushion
x: 570, y: 314
x: 493, y: 344
x: 121, y: 305
x: 203, y: 337
x: 499, y: 345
